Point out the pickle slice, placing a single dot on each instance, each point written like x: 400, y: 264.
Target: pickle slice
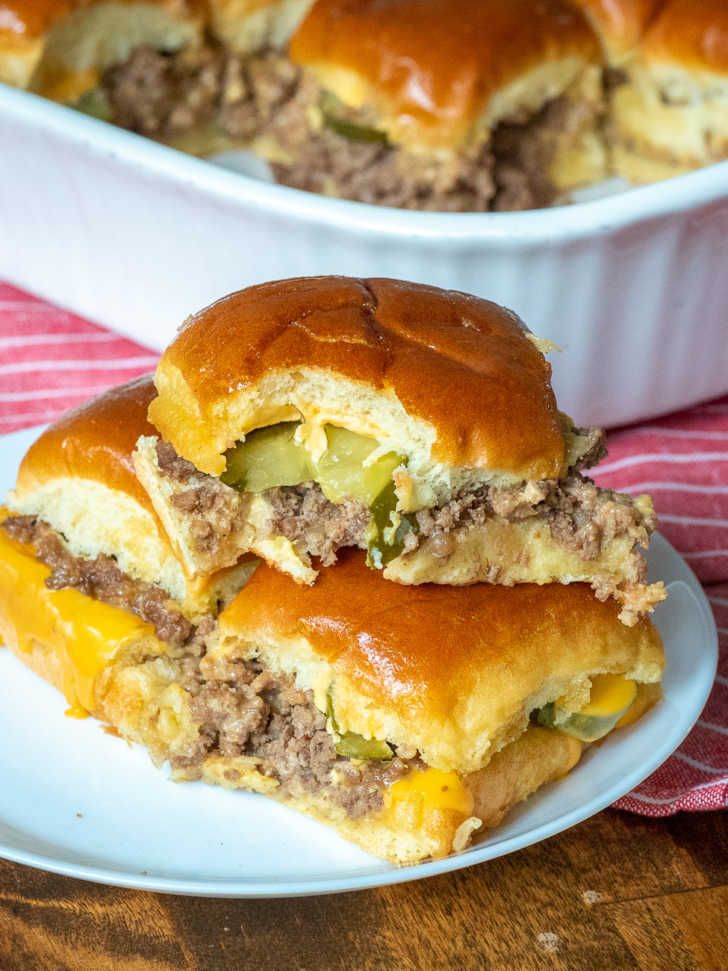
x: 611, y: 697
x: 341, y: 472
x: 332, y: 111
x: 96, y: 104
x: 353, y: 746
x: 267, y: 458
x: 385, y: 538
x: 272, y: 457
x: 354, y: 132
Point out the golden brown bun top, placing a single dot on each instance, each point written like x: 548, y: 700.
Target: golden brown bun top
x: 95, y: 442
x: 461, y: 363
x: 33, y: 18
x: 424, y: 648
x: 691, y: 33
x: 621, y: 24
x: 437, y: 64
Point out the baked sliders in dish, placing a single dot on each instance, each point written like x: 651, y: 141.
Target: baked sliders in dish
x: 416, y: 423
x: 80, y: 531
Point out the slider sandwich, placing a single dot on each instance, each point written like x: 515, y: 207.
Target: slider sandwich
x: 61, y: 48
x: 407, y: 718
x: 669, y: 114
x: 88, y: 576
x: 461, y: 105
x: 410, y: 718
x: 300, y: 417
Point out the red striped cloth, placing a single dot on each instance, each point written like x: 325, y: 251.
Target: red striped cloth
x: 51, y: 360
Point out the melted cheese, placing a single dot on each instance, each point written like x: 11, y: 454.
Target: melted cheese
x: 68, y: 88
x: 81, y: 635
x: 610, y: 693
x: 647, y: 696
x: 424, y: 792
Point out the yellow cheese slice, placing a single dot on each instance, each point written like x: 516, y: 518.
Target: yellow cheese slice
x: 429, y: 790
x: 83, y: 634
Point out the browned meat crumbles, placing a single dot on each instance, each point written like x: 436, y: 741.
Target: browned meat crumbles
x: 581, y: 517
x: 319, y: 527
x: 214, y: 511
x: 593, y: 448
x: 245, y: 710
x: 241, y: 708
x: 523, y: 151
x: 162, y: 95
x: 265, y: 96
x: 101, y: 579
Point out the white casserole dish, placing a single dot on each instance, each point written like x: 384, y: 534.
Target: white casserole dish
x: 633, y: 288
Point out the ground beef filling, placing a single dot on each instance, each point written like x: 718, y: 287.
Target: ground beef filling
x: 523, y: 150
x: 101, y: 579
x: 246, y: 710
x: 265, y: 96
x: 304, y: 515
x: 581, y: 517
x: 214, y: 512
x: 242, y: 709
x: 164, y: 95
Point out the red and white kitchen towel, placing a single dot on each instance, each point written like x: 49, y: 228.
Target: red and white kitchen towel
x: 52, y: 360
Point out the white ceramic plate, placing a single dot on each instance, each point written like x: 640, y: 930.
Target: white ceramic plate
x: 77, y: 801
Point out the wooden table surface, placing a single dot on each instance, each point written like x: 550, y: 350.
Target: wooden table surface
x: 616, y: 892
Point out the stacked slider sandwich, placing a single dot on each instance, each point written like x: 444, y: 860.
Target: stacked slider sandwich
x: 447, y: 612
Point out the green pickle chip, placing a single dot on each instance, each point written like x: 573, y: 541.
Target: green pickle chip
x: 267, y: 458
x: 384, y: 541
x: 271, y: 457
x: 341, y: 471
x: 95, y: 103
x: 587, y: 728
x: 353, y: 746
x: 331, y: 111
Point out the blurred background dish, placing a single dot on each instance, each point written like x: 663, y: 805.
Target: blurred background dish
x: 132, y: 234
x: 630, y: 282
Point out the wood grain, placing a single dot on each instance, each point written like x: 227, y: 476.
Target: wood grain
x: 615, y: 892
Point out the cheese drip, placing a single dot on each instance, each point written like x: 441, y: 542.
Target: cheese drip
x: 81, y: 636
x: 423, y: 792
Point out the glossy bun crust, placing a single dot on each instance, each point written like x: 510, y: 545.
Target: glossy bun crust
x: 452, y: 671
x: 461, y: 369
x: 692, y: 34
x: 252, y: 25
x: 33, y: 18
x: 94, y: 441
x: 433, y: 68
x: 59, y: 47
x: 620, y: 24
